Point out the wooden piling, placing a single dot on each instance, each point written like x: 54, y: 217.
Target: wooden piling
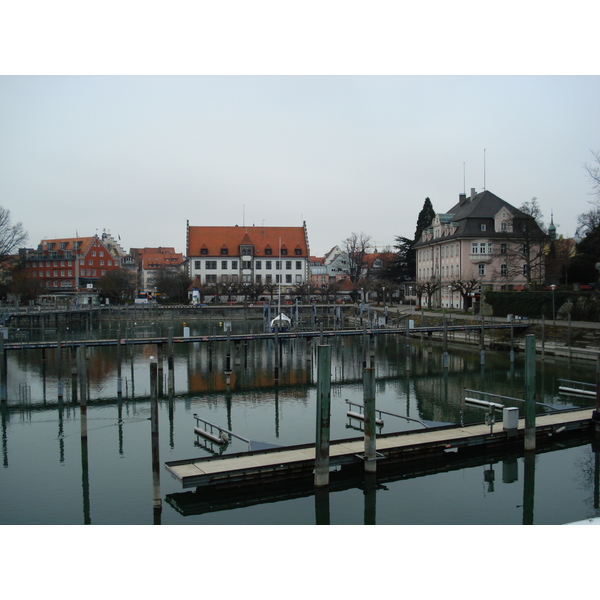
x: 370, y: 427
x: 82, y: 377
x: 157, y: 503
x: 3, y: 371
x: 59, y: 382
x: 170, y: 364
x: 529, y: 392
x: 323, y: 415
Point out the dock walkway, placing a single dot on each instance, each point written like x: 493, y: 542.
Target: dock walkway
x: 298, y: 461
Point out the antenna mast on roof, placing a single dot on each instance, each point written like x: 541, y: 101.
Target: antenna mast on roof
x: 484, y: 170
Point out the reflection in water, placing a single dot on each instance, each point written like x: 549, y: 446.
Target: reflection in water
x: 254, y: 405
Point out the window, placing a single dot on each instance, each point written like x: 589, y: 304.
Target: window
x: 268, y: 251
x: 283, y: 252
x: 55, y: 273
x: 234, y: 264
x: 481, y: 269
x: 258, y: 264
x: 299, y: 265
x: 103, y: 273
x: 504, y: 270
x: 258, y: 278
x: 504, y: 226
x: 246, y: 264
x: 93, y: 253
x: 288, y: 279
x: 62, y: 273
x: 63, y: 245
x: 211, y: 279
x: 482, y: 248
x: 277, y: 278
x: 100, y: 253
x: 109, y: 263
x: 70, y: 273
x: 223, y: 278
x: 278, y: 265
x: 288, y: 264
x: 197, y: 265
x: 298, y: 278
x: 90, y: 262
x: 483, y: 227
x: 101, y: 263
x: 93, y: 272
x: 474, y: 247
x: 268, y: 265
x: 223, y: 263
x: 298, y: 252
x: 269, y: 278
x: 69, y: 263
x: 224, y: 251
x: 503, y: 248
x: 211, y: 264
x: 203, y: 251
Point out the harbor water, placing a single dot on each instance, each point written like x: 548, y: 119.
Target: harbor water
x: 51, y: 475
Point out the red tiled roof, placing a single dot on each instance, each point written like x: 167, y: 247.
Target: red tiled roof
x: 215, y: 238
x: 69, y: 244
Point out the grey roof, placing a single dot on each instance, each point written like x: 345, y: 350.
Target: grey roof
x: 472, y: 213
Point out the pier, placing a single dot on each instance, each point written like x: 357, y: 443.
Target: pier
x: 444, y: 444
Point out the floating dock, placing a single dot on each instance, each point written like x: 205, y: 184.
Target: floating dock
x: 446, y: 443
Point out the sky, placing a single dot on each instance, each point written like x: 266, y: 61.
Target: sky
x: 94, y: 141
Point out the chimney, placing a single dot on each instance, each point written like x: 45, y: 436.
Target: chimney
x: 462, y: 199
x: 473, y: 193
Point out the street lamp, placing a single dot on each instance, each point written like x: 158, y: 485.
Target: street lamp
x: 410, y: 294
x: 553, y: 287
x: 383, y: 295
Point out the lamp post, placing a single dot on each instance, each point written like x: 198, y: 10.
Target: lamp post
x: 410, y: 295
x: 384, y: 296
x: 553, y: 305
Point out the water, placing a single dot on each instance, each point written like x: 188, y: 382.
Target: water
x: 50, y: 476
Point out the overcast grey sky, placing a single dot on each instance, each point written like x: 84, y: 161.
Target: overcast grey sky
x: 138, y: 156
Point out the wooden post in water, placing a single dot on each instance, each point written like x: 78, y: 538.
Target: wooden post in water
x: 59, y: 382
x: 446, y: 358
x: 530, y: 392
x: 276, y: 354
x: 407, y: 345
x: 323, y: 415
x: 3, y: 371
x: 512, y: 339
x: 543, y: 337
x: 228, y: 359
x: 161, y: 370
x: 482, y: 344
x: 119, y: 374
x: 171, y: 366
x: 82, y: 377
x: 596, y: 413
x: 157, y: 503
x: 370, y: 427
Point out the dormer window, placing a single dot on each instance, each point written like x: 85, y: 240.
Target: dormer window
x: 284, y: 252
x: 203, y: 250
x: 483, y: 227
x: 268, y: 251
x: 224, y: 251
x: 298, y: 251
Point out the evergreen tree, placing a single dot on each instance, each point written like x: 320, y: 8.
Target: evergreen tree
x: 424, y: 219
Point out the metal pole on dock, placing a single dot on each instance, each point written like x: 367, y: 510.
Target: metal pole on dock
x: 323, y: 415
x: 407, y: 346
x: 228, y: 359
x: 157, y: 503
x: 370, y: 431
x: 530, y: 392
x: 276, y: 356
x: 119, y: 374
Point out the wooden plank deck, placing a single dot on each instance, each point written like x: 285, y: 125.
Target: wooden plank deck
x: 252, y: 467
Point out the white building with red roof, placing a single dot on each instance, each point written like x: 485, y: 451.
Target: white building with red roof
x: 248, y: 255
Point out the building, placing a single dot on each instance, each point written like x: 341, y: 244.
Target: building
x: 482, y: 242
x: 262, y: 256
x: 151, y: 260
x: 330, y: 268
x: 69, y: 263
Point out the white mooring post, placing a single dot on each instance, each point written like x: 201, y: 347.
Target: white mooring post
x: 323, y: 415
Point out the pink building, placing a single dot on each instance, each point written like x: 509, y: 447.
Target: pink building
x: 481, y: 243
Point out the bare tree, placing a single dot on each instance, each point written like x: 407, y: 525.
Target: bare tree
x: 355, y: 248
x: 593, y: 172
x: 429, y: 288
x: 465, y: 287
x: 11, y: 236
